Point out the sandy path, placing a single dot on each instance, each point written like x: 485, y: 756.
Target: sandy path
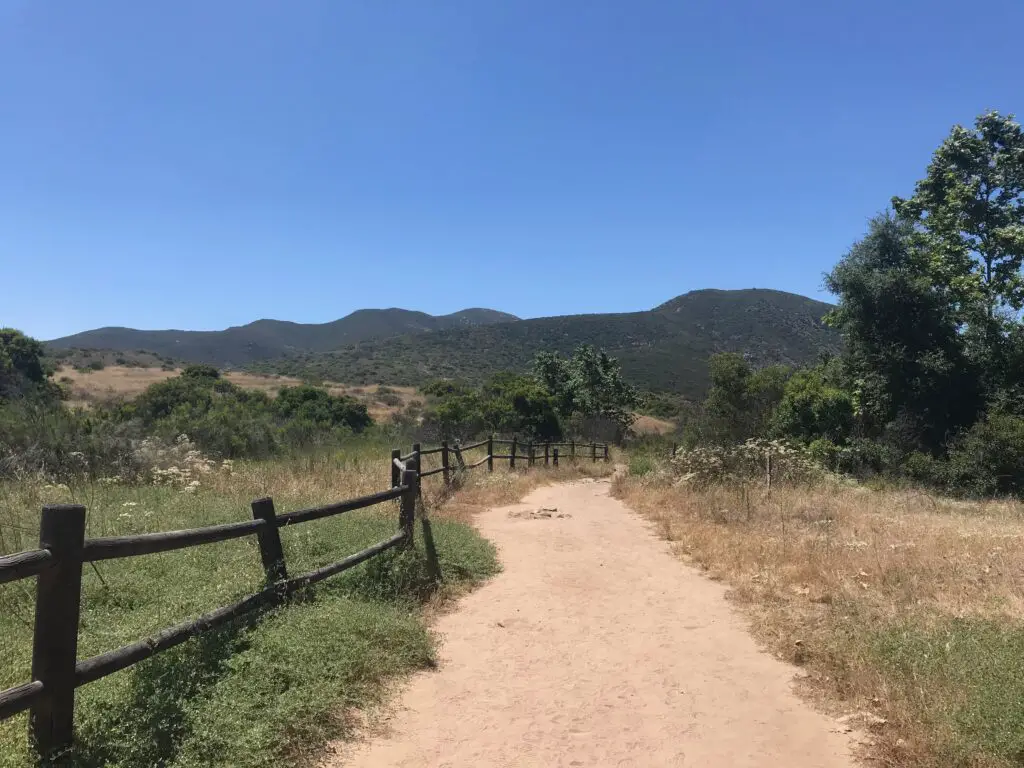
x: 596, y: 647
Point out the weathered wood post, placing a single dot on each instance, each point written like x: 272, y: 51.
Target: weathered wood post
x: 407, y: 502
x: 269, y: 538
x: 674, y: 450
x: 593, y: 452
x: 512, y: 454
x: 572, y: 450
x: 606, y: 452
x: 458, y: 457
x: 490, y: 453
x: 547, y: 450
x: 529, y: 454
x: 447, y: 474
x: 416, y: 457
x: 55, y: 640
x: 554, y: 457
x: 396, y: 473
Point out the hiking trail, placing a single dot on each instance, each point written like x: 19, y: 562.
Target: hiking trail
x: 595, y: 646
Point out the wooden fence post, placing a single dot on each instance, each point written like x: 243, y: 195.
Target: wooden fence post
x: 444, y: 463
x: 55, y: 639
x: 458, y: 457
x: 269, y: 537
x: 606, y: 452
x: 547, y: 450
x: 593, y: 451
x: 512, y: 455
x: 396, y: 473
x: 490, y: 453
x: 407, y: 503
x: 529, y: 454
x: 416, y: 458
x: 572, y: 450
x: 554, y: 457
x: 674, y: 450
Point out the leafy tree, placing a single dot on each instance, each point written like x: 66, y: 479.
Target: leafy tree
x: 508, y: 403
x: 812, y: 408
x: 21, y: 365
x: 969, y: 216
x: 588, y: 388
x: 903, y: 354
x: 740, y: 401
x: 519, y: 404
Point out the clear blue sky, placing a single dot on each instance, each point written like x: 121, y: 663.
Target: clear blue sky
x: 204, y: 164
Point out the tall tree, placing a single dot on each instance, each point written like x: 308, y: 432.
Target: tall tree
x: 903, y: 349
x: 969, y: 212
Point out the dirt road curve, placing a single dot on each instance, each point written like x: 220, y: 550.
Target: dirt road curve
x: 596, y: 647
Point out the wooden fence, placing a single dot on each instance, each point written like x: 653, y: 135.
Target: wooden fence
x: 63, y: 550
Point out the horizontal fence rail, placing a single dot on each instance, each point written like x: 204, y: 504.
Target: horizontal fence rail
x: 117, y: 547
x: 57, y: 567
x: 24, y: 564
x: 317, y: 513
x: 19, y: 698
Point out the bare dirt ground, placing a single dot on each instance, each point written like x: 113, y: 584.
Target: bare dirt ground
x: 596, y: 647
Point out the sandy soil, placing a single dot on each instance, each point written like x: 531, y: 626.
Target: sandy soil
x: 596, y: 647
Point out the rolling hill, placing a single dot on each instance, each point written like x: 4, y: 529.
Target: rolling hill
x: 269, y: 339
x: 664, y: 349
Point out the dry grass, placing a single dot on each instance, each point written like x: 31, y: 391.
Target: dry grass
x: 116, y: 382
x: 651, y: 425
x: 898, y: 604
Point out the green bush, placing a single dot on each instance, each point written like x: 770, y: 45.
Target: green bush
x: 824, y: 452
x: 320, y: 408
x: 988, y: 459
x: 925, y: 468
x: 811, y: 408
x: 641, y: 464
x: 38, y: 436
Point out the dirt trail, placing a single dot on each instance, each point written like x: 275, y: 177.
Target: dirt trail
x: 596, y: 647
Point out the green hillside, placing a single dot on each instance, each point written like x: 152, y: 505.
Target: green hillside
x: 662, y: 349
x: 270, y: 339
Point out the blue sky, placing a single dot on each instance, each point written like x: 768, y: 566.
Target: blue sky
x: 204, y: 164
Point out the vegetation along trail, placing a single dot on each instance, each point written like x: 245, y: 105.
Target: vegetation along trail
x: 595, y: 647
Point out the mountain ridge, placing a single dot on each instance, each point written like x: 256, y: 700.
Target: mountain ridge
x: 663, y: 349
x: 268, y: 338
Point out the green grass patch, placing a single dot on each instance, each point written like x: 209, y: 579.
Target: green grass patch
x: 967, y: 677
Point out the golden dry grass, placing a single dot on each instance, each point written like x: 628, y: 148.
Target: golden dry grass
x: 651, y: 425
x: 116, y: 382
x: 899, y: 604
